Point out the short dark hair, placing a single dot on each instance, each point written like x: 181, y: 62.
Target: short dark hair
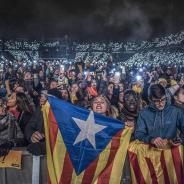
x: 156, y: 91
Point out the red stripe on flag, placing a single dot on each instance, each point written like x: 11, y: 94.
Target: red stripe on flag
x: 90, y: 172
x: 164, y: 168
x: 49, y: 181
x: 152, y: 171
x: 104, y: 177
x: 67, y: 171
x: 135, y: 165
x: 53, y: 130
x: 177, y: 164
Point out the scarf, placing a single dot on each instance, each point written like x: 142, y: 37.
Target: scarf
x: 127, y: 115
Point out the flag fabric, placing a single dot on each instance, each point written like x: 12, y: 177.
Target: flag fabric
x: 152, y: 165
x: 83, y: 146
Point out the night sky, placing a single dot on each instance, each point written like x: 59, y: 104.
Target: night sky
x: 91, y: 19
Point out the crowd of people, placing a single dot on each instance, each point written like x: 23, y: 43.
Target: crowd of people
x: 148, y: 99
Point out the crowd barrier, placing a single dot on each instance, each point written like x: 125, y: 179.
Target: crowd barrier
x: 24, y: 175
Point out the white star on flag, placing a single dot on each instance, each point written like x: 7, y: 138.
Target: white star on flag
x: 88, y: 129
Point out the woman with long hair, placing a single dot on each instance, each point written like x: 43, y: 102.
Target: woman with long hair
x: 101, y: 104
x: 19, y: 105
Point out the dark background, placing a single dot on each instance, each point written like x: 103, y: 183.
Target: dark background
x: 81, y: 20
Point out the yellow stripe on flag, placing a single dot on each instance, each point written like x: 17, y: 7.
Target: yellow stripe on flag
x: 77, y: 179
x: 170, y: 166
x: 155, y: 155
x: 141, y: 151
x: 142, y: 162
x: 133, y: 178
x: 102, y: 162
x: 51, y: 169
x: 119, y: 160
x: 59, y: 158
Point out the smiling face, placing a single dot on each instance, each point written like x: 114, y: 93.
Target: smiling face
x: 130, y: 102
x: 99, y: 105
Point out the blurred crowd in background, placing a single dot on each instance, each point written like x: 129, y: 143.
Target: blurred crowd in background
x: 107, y: 87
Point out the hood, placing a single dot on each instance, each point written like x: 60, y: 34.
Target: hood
x: 158, y: 112
x: 152, y: 106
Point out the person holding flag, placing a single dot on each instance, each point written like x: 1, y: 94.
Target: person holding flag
x: 156, y: 154
x: 84, y: 146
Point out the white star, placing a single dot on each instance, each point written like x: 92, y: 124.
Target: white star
x: 88, y: 129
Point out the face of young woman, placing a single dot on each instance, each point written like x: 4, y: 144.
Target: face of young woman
x: 53, y: 85
x: 64, y: 94
x: 12, y: 100
x: 121, y: 96
x: 99, y: 105
x: 74, y: 88
x: 110, y: 89
x: 43, y: 99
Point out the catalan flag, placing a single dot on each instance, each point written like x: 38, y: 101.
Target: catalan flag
x: 152, y: 165
x: 83, y: 146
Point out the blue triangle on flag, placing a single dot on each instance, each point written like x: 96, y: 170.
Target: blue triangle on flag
x: 83, y: 153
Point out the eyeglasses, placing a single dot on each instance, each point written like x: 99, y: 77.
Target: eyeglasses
x: 159, y: 100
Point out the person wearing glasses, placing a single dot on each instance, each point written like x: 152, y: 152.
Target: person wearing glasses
x: 159, y: 122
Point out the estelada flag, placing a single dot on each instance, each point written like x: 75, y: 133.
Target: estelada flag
x: 158, y: 166
x: 83, y: 146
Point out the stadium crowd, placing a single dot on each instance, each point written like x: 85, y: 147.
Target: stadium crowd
x: 148, y: 99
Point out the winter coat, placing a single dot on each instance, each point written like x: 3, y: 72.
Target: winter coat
x: 164, y: 123
x: 36, y: 123
x: 10, y: 130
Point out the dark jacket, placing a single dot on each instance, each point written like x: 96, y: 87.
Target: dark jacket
x: 10, y: 130
x: 154, y: 123
x: 36, y: 123
x: 102, y: 87
x: 23, y: 120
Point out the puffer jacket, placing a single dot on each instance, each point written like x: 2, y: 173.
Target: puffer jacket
x: 164, y: 123
x: 10, y: 130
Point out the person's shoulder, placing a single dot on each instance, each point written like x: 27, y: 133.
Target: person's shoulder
x: 38, y: 108
x: 11, y: 116
x: 145, y: 110
x: 175, y: 108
